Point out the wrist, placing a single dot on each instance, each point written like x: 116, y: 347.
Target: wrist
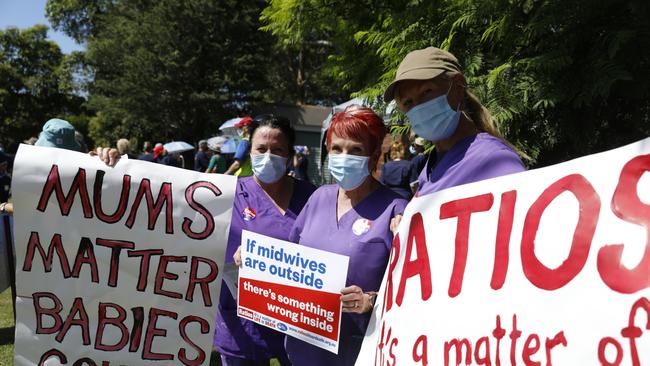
x: 371, y: 297
x: 3, y: 207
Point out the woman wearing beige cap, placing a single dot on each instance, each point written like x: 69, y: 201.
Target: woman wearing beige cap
x: 431, y: 90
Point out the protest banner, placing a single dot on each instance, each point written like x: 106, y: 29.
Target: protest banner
x: 292, y: 288
x: 545, y: 267
x: 116, y: 266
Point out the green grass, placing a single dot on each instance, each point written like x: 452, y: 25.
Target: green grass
x: 6, y: 329
x: 7, y: 333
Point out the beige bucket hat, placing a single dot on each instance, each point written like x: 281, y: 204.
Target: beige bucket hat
x: 422, y: 64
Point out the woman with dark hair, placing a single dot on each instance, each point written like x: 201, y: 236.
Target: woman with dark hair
x: 431, y: 90
x: 351, y: 218
x: 267, y: 203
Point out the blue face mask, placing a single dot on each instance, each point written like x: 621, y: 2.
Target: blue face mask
x: 348, y: 170
x: 268, y: 168
x: 434, y: 120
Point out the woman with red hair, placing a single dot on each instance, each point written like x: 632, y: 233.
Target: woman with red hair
x: 351, y: 218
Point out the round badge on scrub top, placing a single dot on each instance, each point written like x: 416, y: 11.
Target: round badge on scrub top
x: 361, y: 226
x: 248, y: 214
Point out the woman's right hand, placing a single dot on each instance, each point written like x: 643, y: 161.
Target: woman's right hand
x: 106, y: 154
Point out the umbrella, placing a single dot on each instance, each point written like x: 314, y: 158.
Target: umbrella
x: 228, y: 128
x: 228, y: 145
x: 177, y: 147
x: 230, y: 123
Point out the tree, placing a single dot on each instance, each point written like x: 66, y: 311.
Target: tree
x: 172, y: 69
x: 563, y: 78
x: 35, y: 83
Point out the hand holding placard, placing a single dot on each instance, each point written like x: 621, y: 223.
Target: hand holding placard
x: 292, y: 288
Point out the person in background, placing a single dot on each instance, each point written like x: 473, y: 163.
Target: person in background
x: 56, y: 133
x: 241, y: 166
x: 266, y: 203
x: 202, y: 157
x: 79, y: 137
x: 175, y: 160
x: 351, y: 218
x: 418, y: 161
x: 217, y: 161
x: 396, y: 173
x: 159, y: 153
x: 431, y: 90
x: 146, y: 152
x: 299, y: 165
x: 31, y: 141
x: 5, y: 178
x: 124, y: 148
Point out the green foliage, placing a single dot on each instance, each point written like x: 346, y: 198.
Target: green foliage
x: 303, y: 37
x: 562, y: 78
x: 169, y: 69
x: 36, y: 83
x: 80, y: 19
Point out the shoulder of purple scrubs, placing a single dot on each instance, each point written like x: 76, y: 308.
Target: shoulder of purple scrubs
x: 473, y: 159
x: 391, y: 201
x: 320, y: 195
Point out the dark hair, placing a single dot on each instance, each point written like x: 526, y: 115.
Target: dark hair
x: 146, y: 147
x: 276, y: 122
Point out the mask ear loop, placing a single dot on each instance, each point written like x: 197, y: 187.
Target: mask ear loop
x: 459, y: 104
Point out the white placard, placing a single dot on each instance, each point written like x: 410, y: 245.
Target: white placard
x: 545, y: 267
x: 292, y: 288
x: 116, y: 264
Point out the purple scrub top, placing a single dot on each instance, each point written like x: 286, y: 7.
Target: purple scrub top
x: 253, y: 210
x: 363, y: 234
x: 472, y: 159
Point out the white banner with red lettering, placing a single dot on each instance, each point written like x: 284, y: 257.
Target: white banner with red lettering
x: 292, y: 288
x: 546, y: 267
x: 116, y: 266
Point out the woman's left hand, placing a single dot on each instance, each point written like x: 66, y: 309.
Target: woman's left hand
x: 356, y: 301
x: 394, y: 223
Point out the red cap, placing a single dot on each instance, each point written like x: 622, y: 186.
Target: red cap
x: 157, y: 151
x: 244, y: 121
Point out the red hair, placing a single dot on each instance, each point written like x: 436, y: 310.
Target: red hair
x: 360, y: 124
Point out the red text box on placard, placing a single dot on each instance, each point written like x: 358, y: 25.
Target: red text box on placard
x: 314, y: 311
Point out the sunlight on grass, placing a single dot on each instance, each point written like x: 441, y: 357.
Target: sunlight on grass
x: 6, y: 329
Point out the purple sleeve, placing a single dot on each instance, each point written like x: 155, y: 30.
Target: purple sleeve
x: 400, y: 206
x: 499, y: 163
